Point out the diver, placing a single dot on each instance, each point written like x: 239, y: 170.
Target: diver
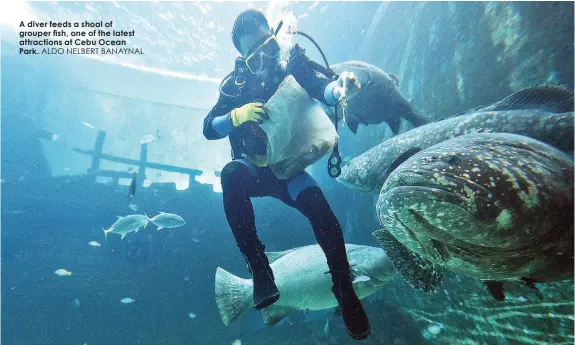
x: 237, y: 114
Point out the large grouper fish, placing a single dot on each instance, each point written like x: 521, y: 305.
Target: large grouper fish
x: 302, y: 277
x: 541, y: 112
x: 498, y: 207
x: 379, y: 100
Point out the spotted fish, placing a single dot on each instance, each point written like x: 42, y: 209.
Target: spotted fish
x: 497, y: 207
x: 544, y: 113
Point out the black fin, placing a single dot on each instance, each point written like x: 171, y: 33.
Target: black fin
x: 530, y: 283
x: 420, y: 273
x: 397, y: 162
x: 495, y: 289
x: 551, y: 98
x: 394, y: 124
x: 352, y: 123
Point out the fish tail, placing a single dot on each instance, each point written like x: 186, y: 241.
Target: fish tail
x: 106, y: 234
x: 233, y: 295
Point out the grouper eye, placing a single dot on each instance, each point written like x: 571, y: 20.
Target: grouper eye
x: 452, y: 159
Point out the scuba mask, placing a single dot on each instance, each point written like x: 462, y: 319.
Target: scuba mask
x: 254, y: 62
x: 269, y: 48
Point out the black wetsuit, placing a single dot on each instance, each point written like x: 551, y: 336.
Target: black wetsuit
x: 242, y: 180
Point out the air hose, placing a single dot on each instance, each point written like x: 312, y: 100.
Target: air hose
x: 334, y: 161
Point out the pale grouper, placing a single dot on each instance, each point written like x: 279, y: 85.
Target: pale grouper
x: 544, y: 113
x: 302, y: 277
x: 497, y: 207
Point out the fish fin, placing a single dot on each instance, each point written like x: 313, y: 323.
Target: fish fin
x: 394, y: 78
x: 360, y: 279
x: 394, y: 124
x: 530, y: 283
x: 420, y: 273
x: 160, y: 228
x: 273, y: 256
x: 337, y: 311
x: 415, y: 118
x: 233, y: 295
x: 495, y: 289
x: 358, y: 275
x: 123, y: 235
x: 552, y: 98
x: 274, y: 314
x: 119, y: 217
x: 352, y: 123
x: 397, y: 162
x: 106, y: 234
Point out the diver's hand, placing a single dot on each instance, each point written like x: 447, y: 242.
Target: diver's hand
x: 248, y: 112
x: 347, y: 87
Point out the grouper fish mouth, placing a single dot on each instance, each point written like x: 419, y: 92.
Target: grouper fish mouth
x: 427, y: 206
x: 492, y: 206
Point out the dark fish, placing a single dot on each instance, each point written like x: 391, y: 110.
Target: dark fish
x: 550, y: 98
x: 132, y: 193
x: 497, y: 207
x: 526, y: 112
x: 379, y: 100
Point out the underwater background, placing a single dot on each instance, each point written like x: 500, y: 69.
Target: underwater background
x: 60, y: 111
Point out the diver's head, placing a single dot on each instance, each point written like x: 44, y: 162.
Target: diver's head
x: 254, y: 39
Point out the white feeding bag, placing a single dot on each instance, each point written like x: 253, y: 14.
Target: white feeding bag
x: 298, y: 129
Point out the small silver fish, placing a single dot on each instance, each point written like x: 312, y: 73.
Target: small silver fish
x: 94, y: 244
x: 167, y: 220
x: 127, y: 300
x: 126, y: 225
x: 132, y: 192
x: 62, y: 272
x: 148, y: 138
x: 89, y: 125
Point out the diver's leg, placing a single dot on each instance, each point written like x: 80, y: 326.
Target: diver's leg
x: 311, y: 202
x: 237, y: 185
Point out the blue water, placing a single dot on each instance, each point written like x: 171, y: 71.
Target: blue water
x: 449, y: 57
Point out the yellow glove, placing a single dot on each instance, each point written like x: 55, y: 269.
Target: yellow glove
x: 259, y: 160
x: 248, y: 112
